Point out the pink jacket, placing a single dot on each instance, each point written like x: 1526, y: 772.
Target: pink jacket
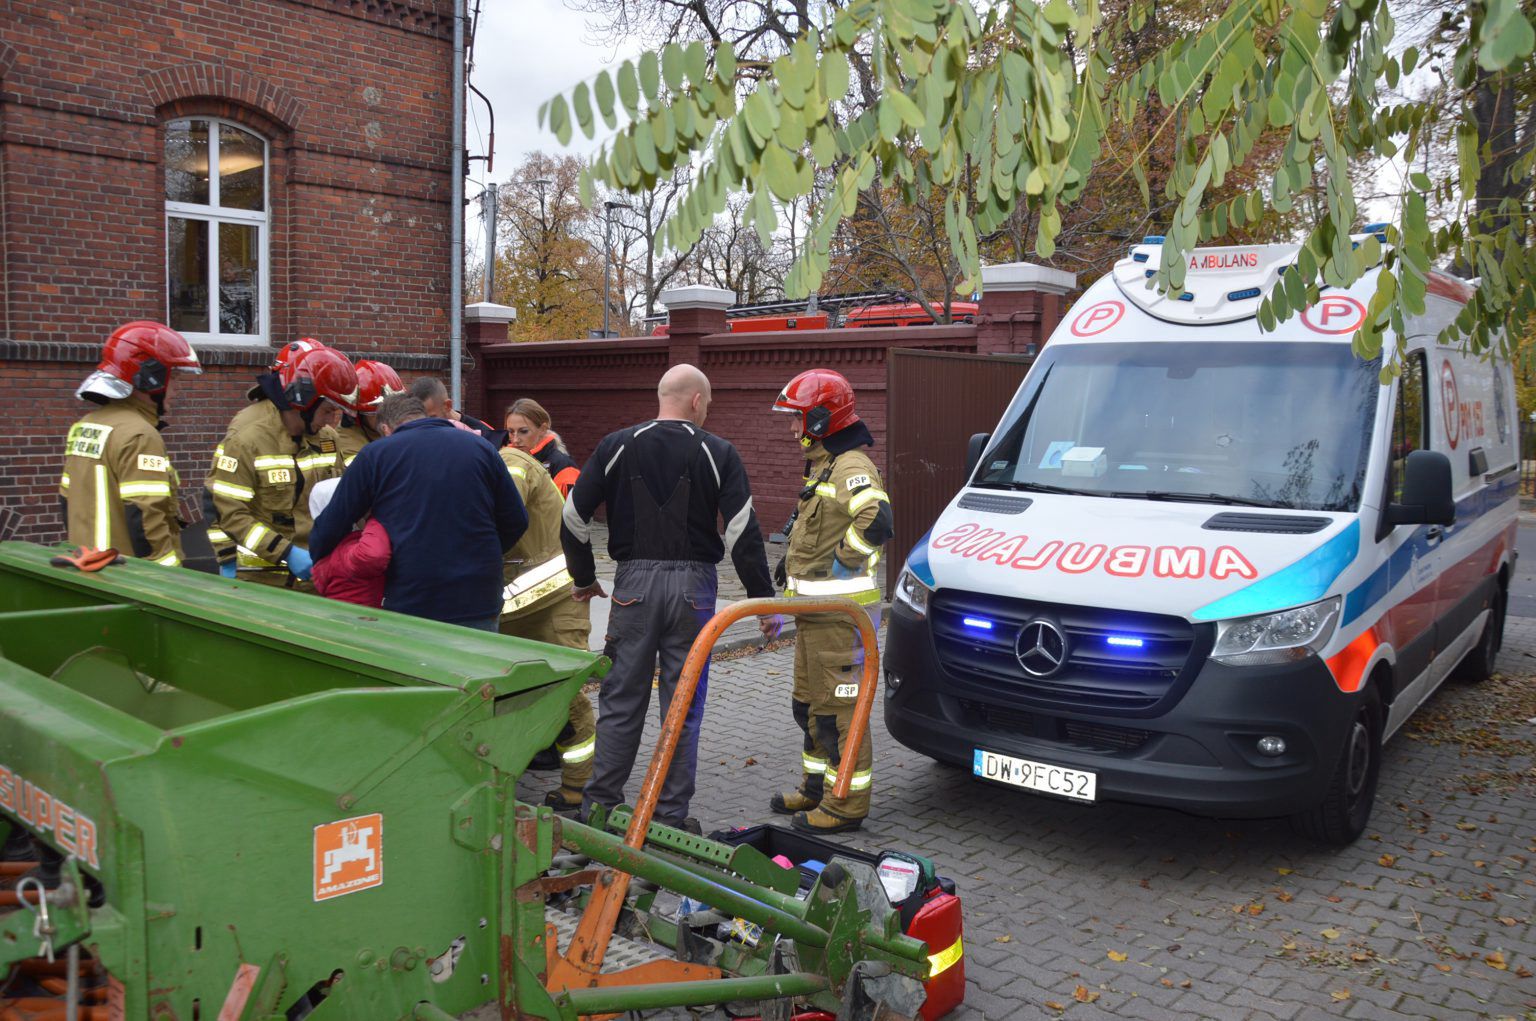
x: 354, y: 571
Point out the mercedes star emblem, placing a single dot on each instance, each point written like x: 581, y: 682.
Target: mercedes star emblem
x: 1042, y: 648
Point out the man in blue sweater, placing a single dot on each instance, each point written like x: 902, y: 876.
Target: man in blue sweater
x: 450, y: 509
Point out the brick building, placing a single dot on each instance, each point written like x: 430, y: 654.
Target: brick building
x: 249, y: 171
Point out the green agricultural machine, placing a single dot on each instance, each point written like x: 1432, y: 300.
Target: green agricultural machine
x: 228, y: 801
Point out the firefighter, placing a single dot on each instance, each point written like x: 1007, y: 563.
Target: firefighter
x: 118, y: 485
x: 538, y: 606
x: 277, y: 447
x: 375, y: 381
x: 835, y: 535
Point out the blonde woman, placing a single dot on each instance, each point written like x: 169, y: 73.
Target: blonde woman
x: 528, y: 429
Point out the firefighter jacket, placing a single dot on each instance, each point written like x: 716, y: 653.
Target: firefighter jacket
x: 534, y: 570
x: 844, y: 516
x: 260, y: 482
x: 119, y: 485
x: 350, y: 438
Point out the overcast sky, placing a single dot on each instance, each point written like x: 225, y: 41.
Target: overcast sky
x: 525, y: 52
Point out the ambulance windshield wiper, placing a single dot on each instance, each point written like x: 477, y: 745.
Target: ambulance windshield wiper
x: 1043, y: 487
x: 1239, y: 501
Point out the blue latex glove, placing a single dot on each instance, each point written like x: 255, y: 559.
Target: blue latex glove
x: 842, y: 571
x: 227, y: 570
x: 300, y: 564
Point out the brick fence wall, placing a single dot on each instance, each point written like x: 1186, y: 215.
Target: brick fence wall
x: 591, y: 388
x: 354, y: 101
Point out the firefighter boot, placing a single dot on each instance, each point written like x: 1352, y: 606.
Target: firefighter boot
x: 813, y: 768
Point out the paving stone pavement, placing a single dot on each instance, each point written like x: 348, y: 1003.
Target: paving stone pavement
x: 1428, y: 916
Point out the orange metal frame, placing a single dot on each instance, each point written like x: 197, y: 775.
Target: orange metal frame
x: 579, y: 967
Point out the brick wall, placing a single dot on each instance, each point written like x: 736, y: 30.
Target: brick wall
x: 354, y: 100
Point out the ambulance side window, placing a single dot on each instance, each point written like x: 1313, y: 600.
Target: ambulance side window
x: 1411, y: 419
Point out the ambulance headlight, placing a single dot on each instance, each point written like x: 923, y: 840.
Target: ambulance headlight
x: 1276, y: 637
x: 912, y: 593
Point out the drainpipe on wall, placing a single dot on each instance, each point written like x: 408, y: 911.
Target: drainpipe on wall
x: 456, y: 215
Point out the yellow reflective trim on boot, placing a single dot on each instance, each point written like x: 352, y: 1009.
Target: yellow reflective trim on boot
x: 860, y: 782
x: 946, y: 958
x: 580, y: 752
x: 811, y: 764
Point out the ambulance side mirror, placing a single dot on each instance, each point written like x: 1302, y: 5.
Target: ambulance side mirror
x: 978, y: 446
x: 1428, y: 498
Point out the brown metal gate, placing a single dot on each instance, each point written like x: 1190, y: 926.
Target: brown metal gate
x: 934, y: 402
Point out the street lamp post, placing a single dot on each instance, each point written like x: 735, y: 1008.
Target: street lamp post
x: 608, y: 208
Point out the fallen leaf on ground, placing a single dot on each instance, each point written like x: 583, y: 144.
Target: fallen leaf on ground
x: 1053, y: 1005
x: 1466, y: 827
x: 1115, y: 955
x: 1185, y: 984
x: 1285, y: 872
x: 1523, y: 972
x: 1082, y: 994
x: 1004, y: 938
x: 1359, y: 956
x: 1289, y: 944
x: 1340, y: 994
x: 1256, y: 908
x: 1437, y: 854
x: 751, y: 761
x: 1334, y: 900
x: 1443, y: 967
x: 1479, y: 864
x: 1496, y: 961
x: 1166, y: 983
x: 1329, y: 934
x: 1506, y: 920
x: 1386, y: 861
x: 1283, y: 897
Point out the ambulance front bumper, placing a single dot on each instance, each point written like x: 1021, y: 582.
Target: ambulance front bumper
x: 1198, y: 754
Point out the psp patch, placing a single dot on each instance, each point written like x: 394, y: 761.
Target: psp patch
x: 227, y: 464
x: 858, y: 481
x: 154, y: 463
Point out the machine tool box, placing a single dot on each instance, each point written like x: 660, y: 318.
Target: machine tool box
x: 927, y: 902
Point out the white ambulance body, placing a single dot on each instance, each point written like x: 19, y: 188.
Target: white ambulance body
x: 1203, y: 566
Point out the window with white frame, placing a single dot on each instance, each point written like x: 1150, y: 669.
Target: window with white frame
x: 216, y: 231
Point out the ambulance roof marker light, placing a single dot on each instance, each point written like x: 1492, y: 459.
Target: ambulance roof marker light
x: 1153, y: 239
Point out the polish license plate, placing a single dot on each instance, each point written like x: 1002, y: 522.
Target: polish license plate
x: 1077, y: 784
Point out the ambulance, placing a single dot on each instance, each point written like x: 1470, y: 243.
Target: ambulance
x: 1211, y: 567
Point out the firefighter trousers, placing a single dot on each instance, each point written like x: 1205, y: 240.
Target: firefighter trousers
x: 566, y: 623
x: 829, y: 662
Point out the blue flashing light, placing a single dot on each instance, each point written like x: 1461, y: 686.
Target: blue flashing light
x: 980, y: 623
x: 1247, y: 292
x: 1187, y: 296
x: 1152, y: 239
x: 1139, y: 257
x: 1376, y: 228
x: 1151, y: 273
x: 1126, y: 641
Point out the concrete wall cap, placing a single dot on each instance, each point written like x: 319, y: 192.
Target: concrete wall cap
x: 489, y: 312
x: 697, y: 296
x: 1026, y: 276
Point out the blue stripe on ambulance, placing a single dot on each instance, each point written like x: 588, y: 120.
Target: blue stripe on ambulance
x: 1375, y: 588
x: 1305, y: 581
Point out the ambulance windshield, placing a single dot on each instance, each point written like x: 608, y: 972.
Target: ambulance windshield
x: 1251, y: 423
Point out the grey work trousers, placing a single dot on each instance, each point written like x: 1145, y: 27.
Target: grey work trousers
x: 659, y: 608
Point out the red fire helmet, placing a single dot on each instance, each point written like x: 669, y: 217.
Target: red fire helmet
x: 292, y: 350
x: 139, y: 356
x: 822, y: 398
x: 320, y: 374
x: 375, y: 381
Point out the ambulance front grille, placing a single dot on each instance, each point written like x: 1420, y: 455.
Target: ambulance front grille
x: 1120, y: 676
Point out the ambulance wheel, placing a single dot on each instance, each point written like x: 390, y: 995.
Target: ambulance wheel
x: 1346, y: 808
x: 1478, y: 665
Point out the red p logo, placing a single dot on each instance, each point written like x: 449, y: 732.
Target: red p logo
x: 1097, y: 318
x: 1334, y: 314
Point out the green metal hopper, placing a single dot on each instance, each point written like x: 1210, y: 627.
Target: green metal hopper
x: 274, y: 806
